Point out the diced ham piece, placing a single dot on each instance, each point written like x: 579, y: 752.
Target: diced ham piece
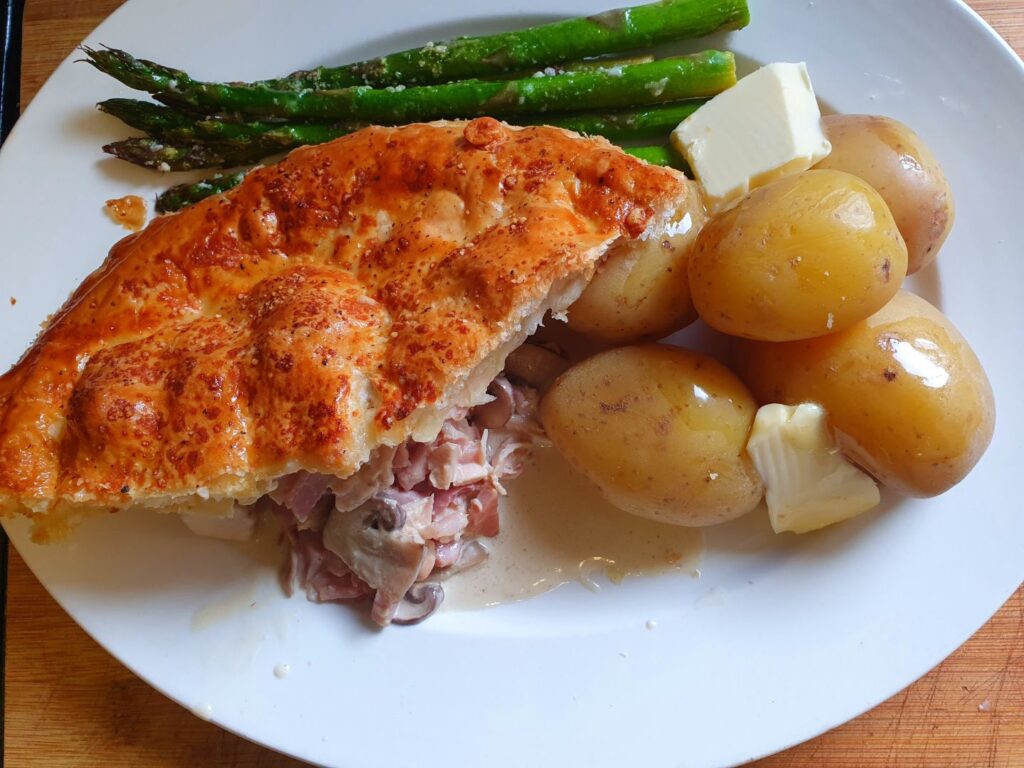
x: 300, y: 492
x: 324, y: 576
x: 446, y: 553
x: 442, y: 462
x: 374, y: 476
x: 450, y: 515
x: 483, y: 513
x: 410, y: 465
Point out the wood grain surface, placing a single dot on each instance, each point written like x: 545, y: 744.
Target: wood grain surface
x: 71, y: 705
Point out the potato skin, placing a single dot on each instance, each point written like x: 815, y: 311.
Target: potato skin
x: 905, y: 394
x: 804, y: 256
x: 642, y: 291
x: 660, y: 430
x: 892, y: 158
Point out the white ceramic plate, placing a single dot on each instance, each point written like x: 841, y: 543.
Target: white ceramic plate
x: 779, y: 640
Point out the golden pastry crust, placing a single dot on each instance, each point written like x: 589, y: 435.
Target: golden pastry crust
x: 324, y: 307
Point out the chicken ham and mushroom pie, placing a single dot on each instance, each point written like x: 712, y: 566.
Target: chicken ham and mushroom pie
x: 325, y: 340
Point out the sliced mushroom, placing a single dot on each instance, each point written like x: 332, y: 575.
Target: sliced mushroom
x: 536, y: 365
x: 383, y: 514
x: 389, y: 560
x: 497, y: 412
x: 419, y: 602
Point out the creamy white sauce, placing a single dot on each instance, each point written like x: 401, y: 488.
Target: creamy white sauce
x: 557, y: 528
x: 226, y: 607
x: 264, y: 548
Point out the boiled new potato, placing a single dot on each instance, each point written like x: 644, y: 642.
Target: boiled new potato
x: 804, y: 256
x: 893, y: 159
x: 906, y: 397
x: 641, y: 291
x: 660, y: 430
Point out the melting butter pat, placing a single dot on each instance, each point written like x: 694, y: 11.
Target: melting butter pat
x: 809, y: 484
x: 763, y: 128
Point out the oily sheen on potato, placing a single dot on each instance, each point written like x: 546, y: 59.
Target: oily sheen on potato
x: 660, y: 430
x: 805, y: 256
x: 642, y: 291
x: 905, y: 394
x: 892, y: 158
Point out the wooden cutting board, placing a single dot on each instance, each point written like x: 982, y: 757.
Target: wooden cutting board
x: 71, y: 705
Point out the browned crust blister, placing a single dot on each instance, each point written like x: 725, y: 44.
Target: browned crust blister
x: 303, y: 318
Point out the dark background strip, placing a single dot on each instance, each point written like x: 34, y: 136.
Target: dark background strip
x: 10, y: 103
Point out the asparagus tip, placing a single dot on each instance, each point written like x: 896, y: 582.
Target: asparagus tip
x: 91, y: 55
x: 114, y: 148
x: 108, y: 60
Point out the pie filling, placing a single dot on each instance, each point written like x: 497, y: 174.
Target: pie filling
x: 412, y: 515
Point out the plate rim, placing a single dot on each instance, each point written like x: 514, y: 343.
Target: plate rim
x: 971, y: 14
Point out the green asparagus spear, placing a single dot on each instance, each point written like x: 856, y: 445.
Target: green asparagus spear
x: 140, y: 74
x: 168, y: 124
x: 181, y: 195
x: 145, y: 75
x: 658, y: 120
x: 213, y: 144
x: 613, y: 31
x: 658, y: 156
x: 583, y: 65
x: 665, y: 80
x: 160, y: 156
x: 156, y: 120
x: 174, y: 127
x: 472, y: 57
